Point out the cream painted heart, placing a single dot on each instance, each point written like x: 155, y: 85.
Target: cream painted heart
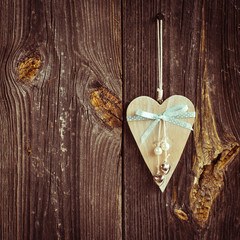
x: 174, y: 128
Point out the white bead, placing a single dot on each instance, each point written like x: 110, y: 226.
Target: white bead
x: 157, y: 151
x: 165, y: 146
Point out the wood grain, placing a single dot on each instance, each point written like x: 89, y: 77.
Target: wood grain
x: 218, y: 146
x: 60, y: 159
x: 63, y: 171
x: 200, y: 62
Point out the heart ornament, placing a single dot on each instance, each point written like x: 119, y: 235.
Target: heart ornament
x: 161, y: 132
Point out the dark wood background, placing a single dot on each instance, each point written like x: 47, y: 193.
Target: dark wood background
x: 69, y: 166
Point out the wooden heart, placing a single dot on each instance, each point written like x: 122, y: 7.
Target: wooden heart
x: 176, y: 135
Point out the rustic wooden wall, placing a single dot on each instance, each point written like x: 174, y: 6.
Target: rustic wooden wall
x: 66, y: 169
x: 201, y: 61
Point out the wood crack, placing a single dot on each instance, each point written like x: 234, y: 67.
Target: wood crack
x: 209, y: 184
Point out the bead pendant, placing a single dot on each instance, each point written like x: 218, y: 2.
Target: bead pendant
x: 157, y: 150
x: 165, y: 167
x: 159, y: 179
x: 165, y: 146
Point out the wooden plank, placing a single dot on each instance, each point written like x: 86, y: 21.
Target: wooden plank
x: 216, y: 136
x: 200, y: 62
x: 60, y: 122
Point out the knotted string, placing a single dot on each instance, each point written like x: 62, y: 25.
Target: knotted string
x: 171, y: 115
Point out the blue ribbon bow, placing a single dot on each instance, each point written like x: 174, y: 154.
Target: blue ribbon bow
x: 170, y: 115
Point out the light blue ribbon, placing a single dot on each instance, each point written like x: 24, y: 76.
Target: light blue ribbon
x: 170, y: 115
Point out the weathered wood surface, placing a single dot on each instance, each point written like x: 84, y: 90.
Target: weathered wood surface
x: 60, y: 120
x: 201, y: 61
x: 61, y: 171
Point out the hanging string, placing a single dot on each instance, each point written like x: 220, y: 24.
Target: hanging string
x: 160, y: 18
x: 165, y: 140
x: 159, y: 136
